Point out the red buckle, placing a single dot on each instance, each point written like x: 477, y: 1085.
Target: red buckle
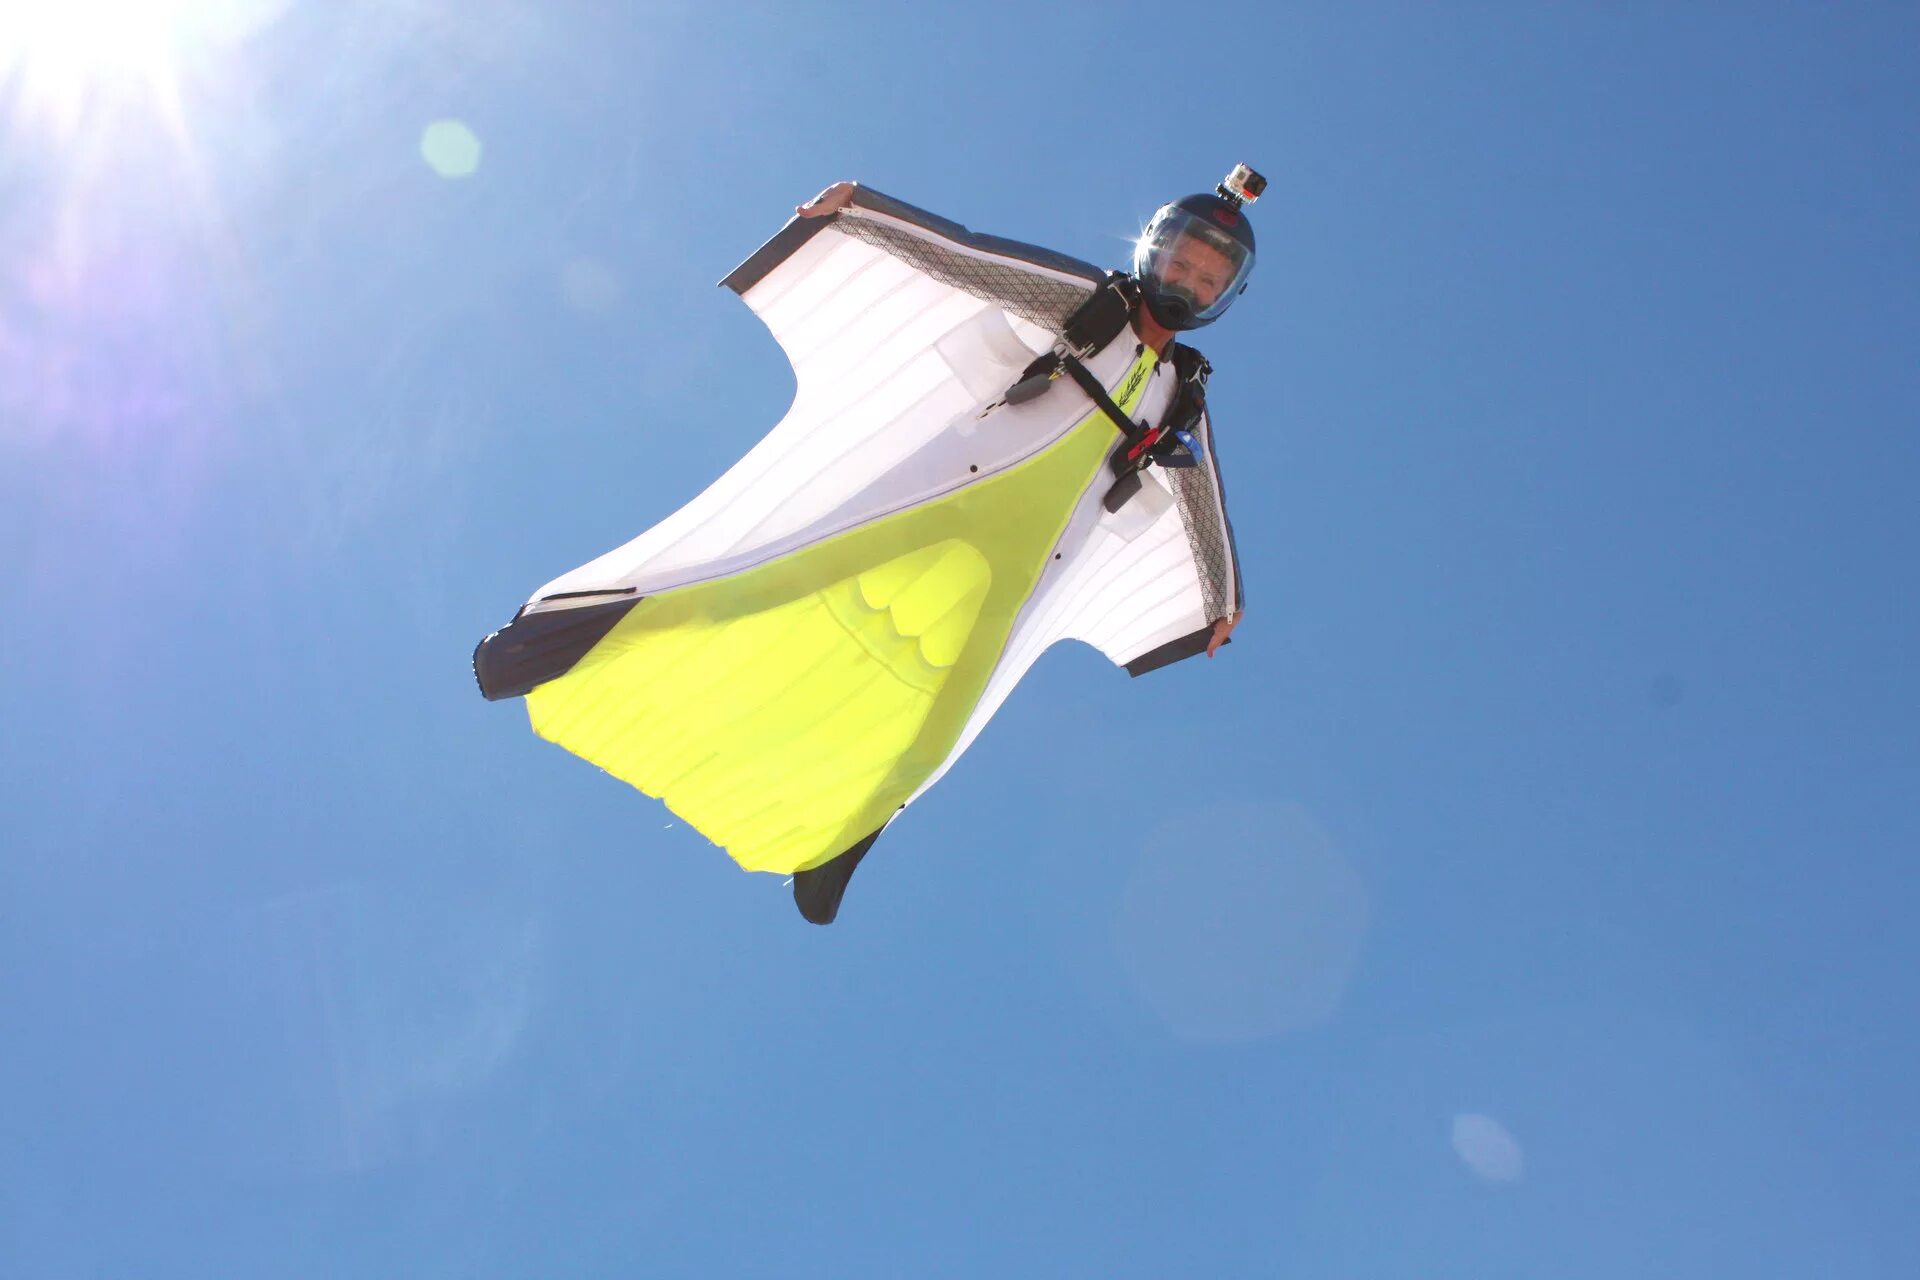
x: 1146, y: 442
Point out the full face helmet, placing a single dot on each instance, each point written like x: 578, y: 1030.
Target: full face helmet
x: 1194, y: 258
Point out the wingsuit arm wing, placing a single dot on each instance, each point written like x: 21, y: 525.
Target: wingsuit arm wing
x: 894, y: 320
x: 1037, y: 285
x: 1153, y: 582
x: 1200, y: 496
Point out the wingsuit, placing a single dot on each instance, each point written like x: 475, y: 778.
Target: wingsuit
x: 975, y: 465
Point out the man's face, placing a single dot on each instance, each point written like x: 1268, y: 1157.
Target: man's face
x: 1196, y: 266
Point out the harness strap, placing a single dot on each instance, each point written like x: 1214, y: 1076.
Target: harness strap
x: 1104, y: 316
x: 1134, y: 432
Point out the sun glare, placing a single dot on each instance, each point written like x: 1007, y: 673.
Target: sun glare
x: 60, y: 60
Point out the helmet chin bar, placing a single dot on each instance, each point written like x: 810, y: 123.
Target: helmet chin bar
x: 1172, y: 308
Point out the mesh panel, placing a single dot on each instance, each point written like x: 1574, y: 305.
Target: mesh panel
x: 1193, y: 489
x: 1033, y: 298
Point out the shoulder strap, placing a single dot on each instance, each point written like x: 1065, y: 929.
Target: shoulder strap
x: 1190, y: 395
x: 1105, y: 315
x: 1102, y: 317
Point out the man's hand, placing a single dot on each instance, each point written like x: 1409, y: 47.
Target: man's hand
x: 832, y: 200
x: 1222, y: 628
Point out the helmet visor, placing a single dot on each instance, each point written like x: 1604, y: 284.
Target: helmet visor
x: 1185, y: 259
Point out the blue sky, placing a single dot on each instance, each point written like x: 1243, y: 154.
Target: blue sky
x: 1526, y: 892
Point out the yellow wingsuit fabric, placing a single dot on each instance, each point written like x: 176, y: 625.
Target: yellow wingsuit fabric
x: 786, y: 712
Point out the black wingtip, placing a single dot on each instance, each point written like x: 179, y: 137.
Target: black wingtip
x: 817, y: 891
x: 1191, y: 645
x: 537, y: 647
